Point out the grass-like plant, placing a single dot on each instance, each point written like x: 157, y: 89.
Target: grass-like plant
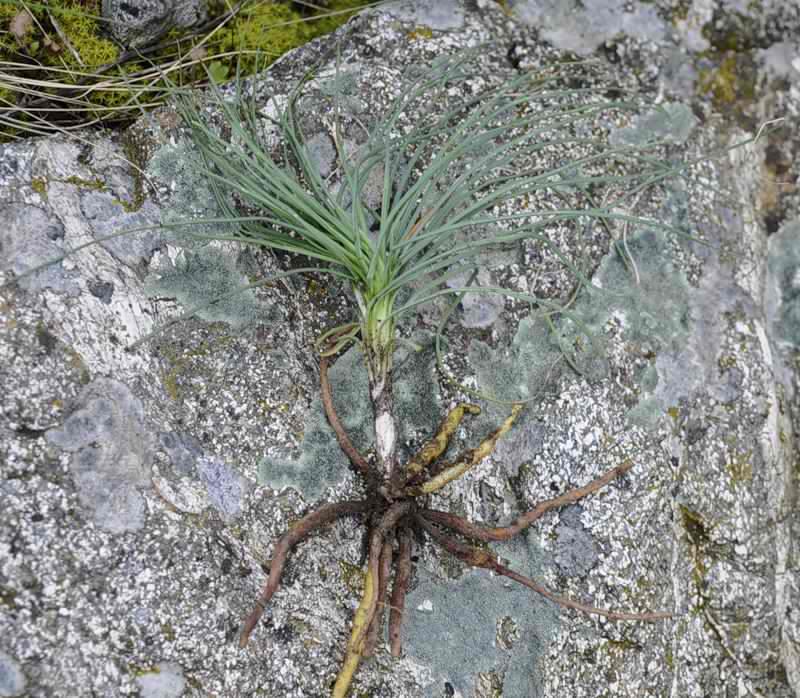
x: 453, y: 169
x: 459, y: 172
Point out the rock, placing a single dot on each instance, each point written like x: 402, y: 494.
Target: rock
x: 140, y: 22
x: 111, y: 451
x: 226, y: 488
x: 479, y: 310
x: 29, y: 239
x: 575, y: 552
x: 134, y: 538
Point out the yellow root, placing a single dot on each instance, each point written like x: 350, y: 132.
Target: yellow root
x: 468, y: 461
x: 434, y: 448
x: 358, y: 636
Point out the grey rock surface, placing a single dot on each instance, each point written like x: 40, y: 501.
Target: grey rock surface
x: 140, y: 22
x: 136, y: 533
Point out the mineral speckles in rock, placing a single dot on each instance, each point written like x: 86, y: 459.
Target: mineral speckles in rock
x: 111, y: 454
x: 575, y: 551
x: 12, y: 681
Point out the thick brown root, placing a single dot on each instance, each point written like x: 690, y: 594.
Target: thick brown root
x: 477, y: 557
x: 369, y: 600
x: 385, y: 572
x: 402, y: 578
x: 488, y: 533
x: 308, y: 524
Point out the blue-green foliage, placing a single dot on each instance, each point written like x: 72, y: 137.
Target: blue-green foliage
x: 461, y: 628
x: 321, y: 462
x: 208, y: 284
x: 784, y: 269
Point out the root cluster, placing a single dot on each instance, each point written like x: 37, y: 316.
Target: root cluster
x: 395, y: 516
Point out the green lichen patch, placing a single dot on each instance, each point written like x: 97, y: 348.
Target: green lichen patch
x: 321, y: 462
x: 473, y: 632
x: 638, y: 288
x: 207, y: 284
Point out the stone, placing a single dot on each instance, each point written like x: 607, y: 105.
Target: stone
x: 31, y: 238
x: 134, y: 535
x: 111, y: 451
x: 140, y: 22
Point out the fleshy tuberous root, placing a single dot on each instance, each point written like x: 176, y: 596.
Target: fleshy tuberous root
x: 466, y: 461
x: 402, y: 578
x: 476, y: 557
x: 487, y: 533
x: 436, y: 446
x: 300, y: 530
x: 369, y: 600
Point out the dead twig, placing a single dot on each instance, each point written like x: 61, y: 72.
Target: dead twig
x: 434, y: 448
x: 465, y: 462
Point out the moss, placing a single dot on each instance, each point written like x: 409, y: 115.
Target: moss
x: 264, y: 31
x: 90, y: 184
x: 269, y: 29
x: 39, y: 185
x: 740, y: 467
x: 337, y: 13
x: 353, y: 576
x: 8, y: 598
x: 731, y: 82
x: 694, y: 526
x: 82, y: 28
x: 420, y: 33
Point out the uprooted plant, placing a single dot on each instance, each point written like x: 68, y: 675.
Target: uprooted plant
x: 461, y: 171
